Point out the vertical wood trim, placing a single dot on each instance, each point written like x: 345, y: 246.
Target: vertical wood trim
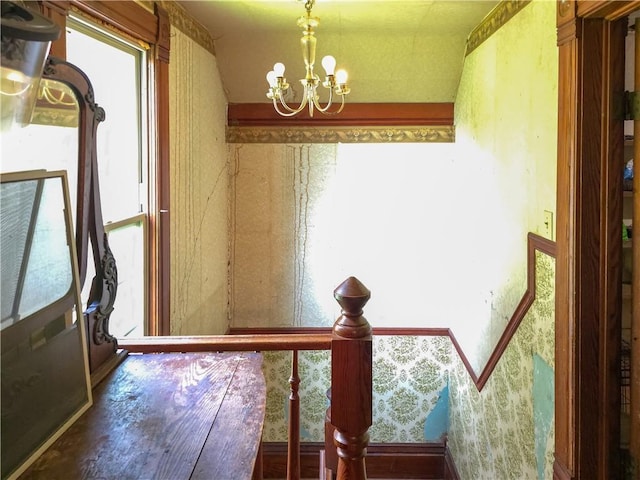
x: 634, y: 412
x: 611, y: 249
x: 258, y: 467
x: 450, y: 470
x: 588, y: 243
x: 587, y: 294
x: 568, y: 124
x: 57, y: 12
x: 161, y: 217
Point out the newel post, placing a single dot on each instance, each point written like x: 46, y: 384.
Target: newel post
x: 351, y: 380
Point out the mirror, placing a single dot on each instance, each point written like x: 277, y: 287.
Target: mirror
x: 50, y: 140
x: 44, y: 365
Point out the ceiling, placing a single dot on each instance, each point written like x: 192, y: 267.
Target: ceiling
x: 395, y: 51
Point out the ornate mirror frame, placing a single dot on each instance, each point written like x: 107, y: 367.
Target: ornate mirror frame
x: 89, y: 224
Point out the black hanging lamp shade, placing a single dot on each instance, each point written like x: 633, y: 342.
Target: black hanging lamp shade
x: 26, y: 39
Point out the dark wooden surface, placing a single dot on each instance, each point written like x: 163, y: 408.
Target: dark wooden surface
x: 384, y: 460
x: 169, y: 416
x: 354, y: 114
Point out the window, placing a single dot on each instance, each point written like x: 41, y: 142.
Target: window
x: 116, y: 67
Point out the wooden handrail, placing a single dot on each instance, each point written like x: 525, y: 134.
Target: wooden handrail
x: 227, y: 343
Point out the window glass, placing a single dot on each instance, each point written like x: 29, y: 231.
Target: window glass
x: 34, y: 248
x: 114, y: 68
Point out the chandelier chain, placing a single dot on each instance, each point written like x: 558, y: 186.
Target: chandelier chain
x: 308, y: 5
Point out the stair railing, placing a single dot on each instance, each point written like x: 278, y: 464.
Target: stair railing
x: 351, y: 377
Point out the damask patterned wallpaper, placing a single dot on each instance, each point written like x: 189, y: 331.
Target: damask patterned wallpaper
x: 409, y: 373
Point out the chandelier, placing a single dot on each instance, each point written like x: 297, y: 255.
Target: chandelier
x: 335, y: 81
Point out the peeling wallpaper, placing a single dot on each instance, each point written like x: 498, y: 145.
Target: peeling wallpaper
x: 274, y: 202
x: 199, y: 191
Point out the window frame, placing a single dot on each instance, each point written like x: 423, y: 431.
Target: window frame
x: 152, y: 27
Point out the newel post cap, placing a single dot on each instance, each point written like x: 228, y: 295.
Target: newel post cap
x: 352, y: 296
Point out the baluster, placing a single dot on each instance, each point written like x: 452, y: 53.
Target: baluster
x: 351, y: 380
x: 330, y: 455
x: 293, y: 454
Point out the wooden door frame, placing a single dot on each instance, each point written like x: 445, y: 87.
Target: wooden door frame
x: 589, y: 201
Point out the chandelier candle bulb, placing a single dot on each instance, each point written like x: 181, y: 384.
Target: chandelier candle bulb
x: 336, y: 86
x: 341, y: 77
x: 272, y: 79
x: 329, y: 64
x: 278, y: 69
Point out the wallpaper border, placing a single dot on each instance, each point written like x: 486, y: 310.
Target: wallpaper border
x: 291, y: 135
x: 500, y: 15
x: 180, y: 19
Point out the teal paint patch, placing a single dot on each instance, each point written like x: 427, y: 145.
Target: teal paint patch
x: 437, y: 422
x: 543, y: 409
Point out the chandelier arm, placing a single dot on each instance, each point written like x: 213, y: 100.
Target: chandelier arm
x: 288, y: 108
x: 49, y: 97
x: 327, y: 106
x: 341, y: 106
x: 299, y: 108
x: 290, y: 111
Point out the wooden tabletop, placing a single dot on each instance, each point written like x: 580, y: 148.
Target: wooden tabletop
x: 169, y: 416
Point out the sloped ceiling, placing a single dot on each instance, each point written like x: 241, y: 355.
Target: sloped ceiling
x: 396, y: 51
